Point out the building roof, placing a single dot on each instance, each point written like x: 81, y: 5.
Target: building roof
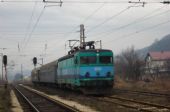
x: 163, y: 55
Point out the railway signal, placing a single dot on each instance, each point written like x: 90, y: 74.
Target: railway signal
x: 5, y: 60
x: 5, y: 64
x: 35, y: 61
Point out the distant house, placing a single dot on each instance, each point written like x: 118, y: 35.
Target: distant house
x: 157, y: 62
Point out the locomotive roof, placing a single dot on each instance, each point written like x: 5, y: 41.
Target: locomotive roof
x: 94, y: 50
x: 83, y: 50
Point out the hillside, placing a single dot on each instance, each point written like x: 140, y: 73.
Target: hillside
x: 161, y: 45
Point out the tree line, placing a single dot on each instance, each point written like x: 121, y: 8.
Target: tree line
x: 130, y: 66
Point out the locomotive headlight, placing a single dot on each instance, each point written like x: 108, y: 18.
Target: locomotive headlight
x: 108, y: 74
x: 87, y: 74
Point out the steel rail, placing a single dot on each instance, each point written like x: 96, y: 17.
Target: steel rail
x: 124, y: 105
x: 144, y: 92
x: 109, y: 100
x: 140, y: 102
x: 27, y: 100
x: 70, y: 108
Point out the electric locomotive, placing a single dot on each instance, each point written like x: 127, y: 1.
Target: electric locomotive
x: 83, y: 68
x: 90, y: 70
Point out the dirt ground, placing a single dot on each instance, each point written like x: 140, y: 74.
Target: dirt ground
x: 83, y: 99
x: 5, y: 104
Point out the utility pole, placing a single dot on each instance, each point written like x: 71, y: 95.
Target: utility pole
x: 2, y: 66
x: 21, y: 72
x: 2, y: 62
x: 82, y: 36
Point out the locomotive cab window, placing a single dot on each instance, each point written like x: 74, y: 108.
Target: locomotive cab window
x: 88, y: 60
x: 106, y: 59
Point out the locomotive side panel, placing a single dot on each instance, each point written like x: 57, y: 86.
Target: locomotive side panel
x: 67, y: 71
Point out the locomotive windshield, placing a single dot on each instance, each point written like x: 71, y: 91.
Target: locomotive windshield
x: 106, y: 59
x: 88, y: 60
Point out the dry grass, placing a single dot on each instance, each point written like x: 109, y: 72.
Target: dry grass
x: 4, y: 99
x: 159, y: 84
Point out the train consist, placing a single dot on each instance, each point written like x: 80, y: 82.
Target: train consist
x: 89, y: 70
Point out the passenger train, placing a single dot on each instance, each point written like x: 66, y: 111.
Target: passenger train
x: 88, y: 70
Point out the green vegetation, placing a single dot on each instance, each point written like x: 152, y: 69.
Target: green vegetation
x: 4, y: 99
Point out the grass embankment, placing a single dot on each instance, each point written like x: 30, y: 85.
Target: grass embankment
x: 5, y: 99
x: 159, y: 84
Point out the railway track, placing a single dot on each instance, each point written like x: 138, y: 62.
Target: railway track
x: 134, y: 104
x: 142, y: 93
x: 34, y: 101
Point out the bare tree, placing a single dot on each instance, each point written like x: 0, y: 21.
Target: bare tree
x: 129, y: 64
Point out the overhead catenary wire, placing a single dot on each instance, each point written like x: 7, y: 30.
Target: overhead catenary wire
x: 30, y: 21
x: 94, y: 12
x: 136, y: 21
x: 136, y: 32
x: 32, y: 31
x: 108, y: 19
x: 85, y: 20
x: 34, y: 27
x: 77, y: 2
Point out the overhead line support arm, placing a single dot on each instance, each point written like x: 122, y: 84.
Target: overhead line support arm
x: 60, y: 2
x: 165, y: 2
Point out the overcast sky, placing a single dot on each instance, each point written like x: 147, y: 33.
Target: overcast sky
x: 118, y: 24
